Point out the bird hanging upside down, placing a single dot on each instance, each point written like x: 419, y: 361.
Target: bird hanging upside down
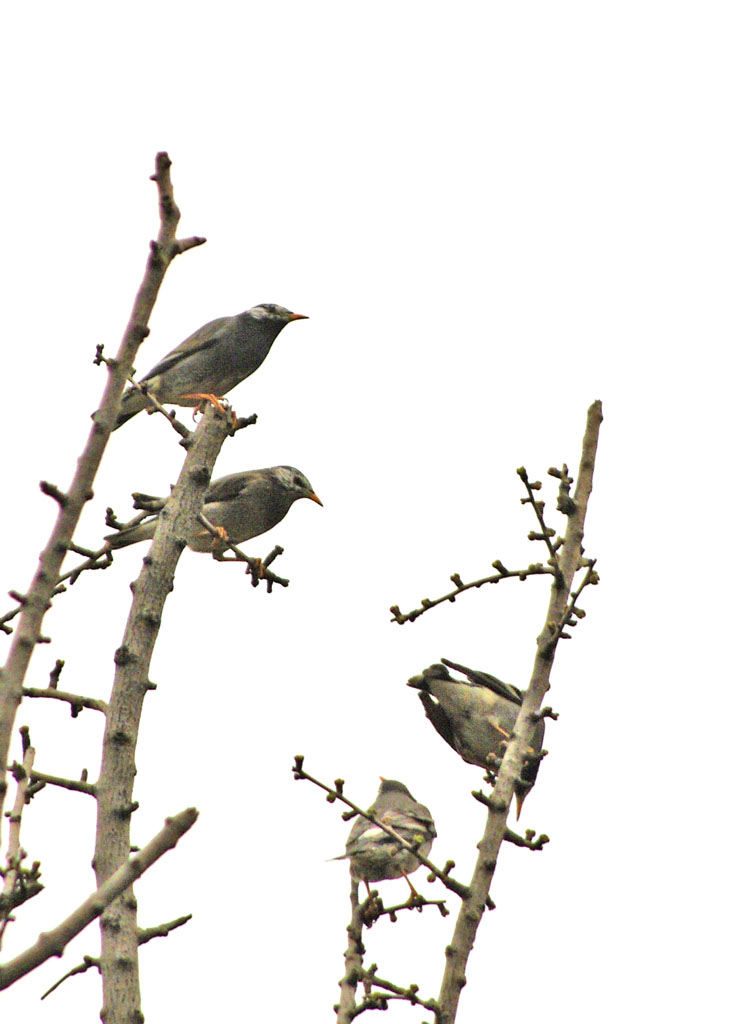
x: 477, y: 716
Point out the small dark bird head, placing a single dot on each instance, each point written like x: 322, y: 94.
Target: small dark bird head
x: 421, y: 682
x: 392, y: 786
x: 270, y: 312
x: 295, y: 481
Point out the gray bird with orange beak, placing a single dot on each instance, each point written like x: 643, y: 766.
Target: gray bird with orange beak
x: 242, y: 505
x: 212, y: 361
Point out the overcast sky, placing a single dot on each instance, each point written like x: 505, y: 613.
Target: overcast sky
x: 493, y: 214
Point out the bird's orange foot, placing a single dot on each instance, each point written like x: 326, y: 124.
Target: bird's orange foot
x: 217, y: 401
x: 220, y: 539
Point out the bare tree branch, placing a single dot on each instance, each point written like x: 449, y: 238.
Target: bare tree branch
x: 53, y: 943
x: 144, y: 935
x: 100, y: 559
x: 337, y: 794
x: 362, y: 914
x: 81, y: 786
x: 257, y: 567
x: 36, y: 600
x: 156, y: 406
x: 88, y: 961
x: 374, y: 908
x: 353, y: 958
x: 77, y: 701
x: 13, y: 870
x: 471, y: 912
x: 119, y: 932
x: 409, y: 995
x: 547, y: 533
x: 427, y: 603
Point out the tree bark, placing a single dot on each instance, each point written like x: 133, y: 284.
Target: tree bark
x: 472, y: 909
x: 37, y: 600
x: 118, y: 925
x: 353, y: 959
x: 53, y: 943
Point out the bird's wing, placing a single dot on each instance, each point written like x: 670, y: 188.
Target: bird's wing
x: 363, y: 836
x: 203, y: 338
x: 505, y: 690
x: 227, y: 488
x: 439, y: 718
x: 423, y: 815
x: 415, y: 825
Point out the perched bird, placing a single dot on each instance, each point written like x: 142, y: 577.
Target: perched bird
x: 375, y: 855
x: 211, y: 361
x: 476, y: 716
x: 244, y: 505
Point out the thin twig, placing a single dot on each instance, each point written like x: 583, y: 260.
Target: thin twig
x: 160, y: 931
x: 13, y: 871
x: 144, y: 935
x: 337, y: 794
x: 53, y: 943
x: 257, y: 567
x: 547, y: 532
x: 412, y: 903
x: 76, y: 701
x: 537, y: 569
x: 100, y: 559
x: 88, y: 961
x: 571, y: 612
x: 156, y: 406
x: 55, y: 780
x: 409, y: 994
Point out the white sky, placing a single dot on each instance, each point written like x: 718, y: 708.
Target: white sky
x: 493, y: 214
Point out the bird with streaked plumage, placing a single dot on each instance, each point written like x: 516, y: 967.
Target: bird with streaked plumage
x: 212, y: 361
x: 374, y: 855
x: 243, y: 505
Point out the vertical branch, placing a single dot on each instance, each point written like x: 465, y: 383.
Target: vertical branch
x: 52, y: 943
x: 469, y: 918
x: 353, y: 959
x: 15, y: 854
x: 118, y: 925
x: 36, y: 601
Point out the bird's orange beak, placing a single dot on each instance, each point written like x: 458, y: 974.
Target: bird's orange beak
x: 313, y: 497
x: 298, y: 316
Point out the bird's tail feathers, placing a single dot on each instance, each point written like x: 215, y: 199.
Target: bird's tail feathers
x: 132, y: 535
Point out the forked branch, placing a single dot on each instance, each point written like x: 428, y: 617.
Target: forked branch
x: 570, y: 558
x: 53, y: 943
x: 70, y: 503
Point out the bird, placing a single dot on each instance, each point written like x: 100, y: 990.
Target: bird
x: 374, y: 855
x: 243, y: 505
x: 212, y: 361
x: 476, y: 716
